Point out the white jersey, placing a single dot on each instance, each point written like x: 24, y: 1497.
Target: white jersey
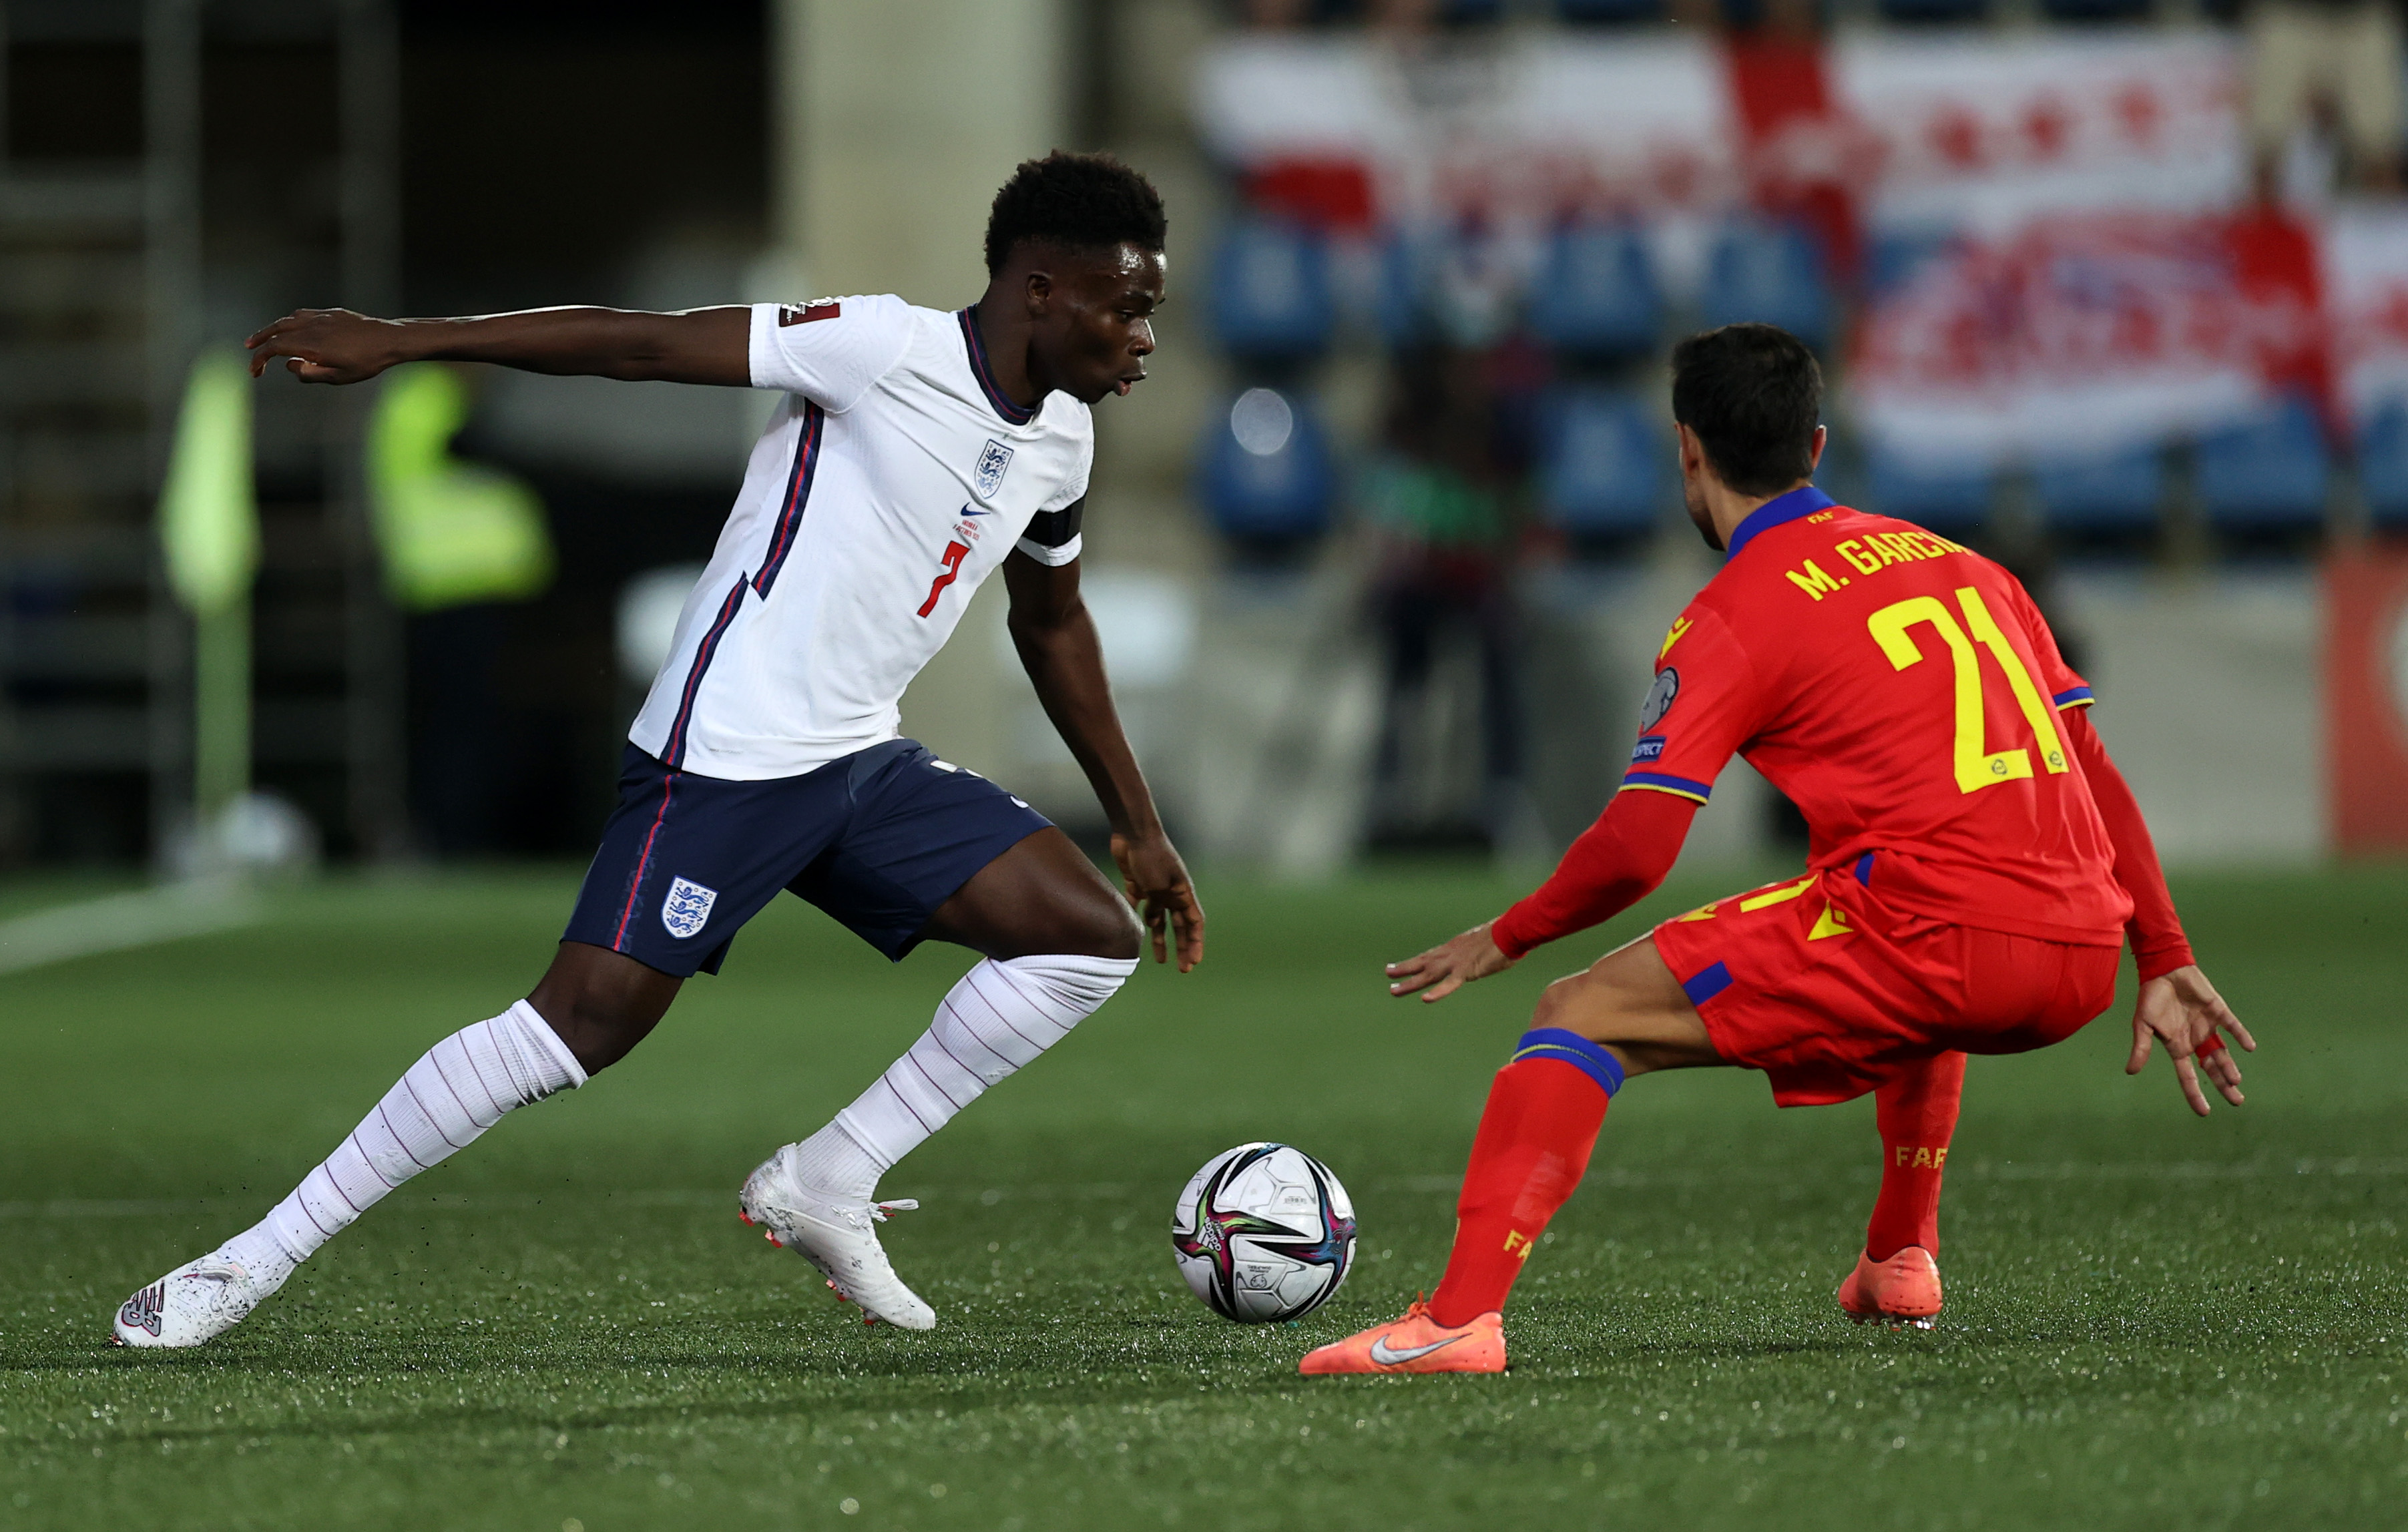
x: 893, y: 478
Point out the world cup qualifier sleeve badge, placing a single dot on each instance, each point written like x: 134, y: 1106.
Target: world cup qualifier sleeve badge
x: 687, y: 909
x: 994, y: 458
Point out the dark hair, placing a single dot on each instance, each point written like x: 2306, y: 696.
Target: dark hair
x: 1081, y: 201
x: 1754, y: 395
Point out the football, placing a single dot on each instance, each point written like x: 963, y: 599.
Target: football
x: 1264, y: 1232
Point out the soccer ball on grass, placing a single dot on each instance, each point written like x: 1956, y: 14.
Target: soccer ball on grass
x: 1264, y: 1232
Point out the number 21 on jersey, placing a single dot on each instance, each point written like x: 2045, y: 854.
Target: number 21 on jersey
x: 1977, y: 764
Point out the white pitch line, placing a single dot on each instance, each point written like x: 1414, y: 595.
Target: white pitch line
x: 139, y: 919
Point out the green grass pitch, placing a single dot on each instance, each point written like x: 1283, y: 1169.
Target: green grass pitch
x: 2152, y: 1320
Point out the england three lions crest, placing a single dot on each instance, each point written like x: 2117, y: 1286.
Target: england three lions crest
x: 994, y: 458
x: 687, y: 910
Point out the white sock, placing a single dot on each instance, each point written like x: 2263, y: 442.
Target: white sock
x: 1000, y: 1016
x: 456, y: 1090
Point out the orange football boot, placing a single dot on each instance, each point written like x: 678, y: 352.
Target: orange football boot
x: 1415, y: 1343
x: 1902, y: 1290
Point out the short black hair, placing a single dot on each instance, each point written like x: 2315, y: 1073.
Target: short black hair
x: 1081, y: 201
x: 1754, y: 394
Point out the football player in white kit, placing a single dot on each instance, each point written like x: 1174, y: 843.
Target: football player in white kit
x: 913, y: 454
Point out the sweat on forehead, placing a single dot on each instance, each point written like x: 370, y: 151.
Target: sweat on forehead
x: 1105, y: 262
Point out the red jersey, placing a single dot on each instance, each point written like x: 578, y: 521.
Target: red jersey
x: 1905, y: 693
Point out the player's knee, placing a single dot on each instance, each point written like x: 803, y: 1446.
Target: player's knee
x: 1641, y: 1036
x: 1094, y: 923
x: 1108, y: 928
x: 1578, y: 1004
x: 599, y: 1030
x: 1560, y: 1006
x: 599, y: 1003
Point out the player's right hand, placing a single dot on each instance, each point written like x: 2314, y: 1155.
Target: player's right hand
x: 1164, y: 895
x: 1448, y: 967
x: 2183, y: 1009
x: 328, y: 346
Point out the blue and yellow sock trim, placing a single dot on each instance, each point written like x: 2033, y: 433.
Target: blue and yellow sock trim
x: 1589, y: 1058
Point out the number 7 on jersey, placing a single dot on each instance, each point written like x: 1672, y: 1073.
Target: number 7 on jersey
x: 954, y: 553
x: 1977, y: 766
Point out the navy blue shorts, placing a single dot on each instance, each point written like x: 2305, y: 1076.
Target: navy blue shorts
x: 878, y: 839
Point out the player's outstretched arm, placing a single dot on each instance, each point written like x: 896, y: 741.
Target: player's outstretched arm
x: 336, y: 345
x: 1057, y: 644
x: 1615, y: 864
x: 2178, y: 1006
x: 2183, y: 1009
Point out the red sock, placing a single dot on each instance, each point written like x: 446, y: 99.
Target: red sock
x: 1917, y: 1110
x: 1542, y: 1121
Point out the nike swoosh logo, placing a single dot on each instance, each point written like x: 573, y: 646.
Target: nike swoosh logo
x: 1388, y: 1356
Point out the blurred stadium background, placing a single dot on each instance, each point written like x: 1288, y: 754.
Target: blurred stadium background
x: 2117, y: 289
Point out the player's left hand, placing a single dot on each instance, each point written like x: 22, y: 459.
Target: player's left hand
x: 327, y: 345
x: 1448, y: 967
x: 2183, y: 1009
x: 1164, y: 895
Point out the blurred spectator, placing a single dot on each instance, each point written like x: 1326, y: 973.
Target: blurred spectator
x: 2320, y: 65
x: 460, y: 542
x: 1794, y: 130
x: 2277, y: 267
x: 1436, y: 501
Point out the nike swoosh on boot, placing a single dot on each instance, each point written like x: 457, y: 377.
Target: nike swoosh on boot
x: 1388, y: 1356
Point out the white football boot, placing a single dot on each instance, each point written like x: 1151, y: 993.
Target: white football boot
x: 195, y: 1302
x: 837, y: 1235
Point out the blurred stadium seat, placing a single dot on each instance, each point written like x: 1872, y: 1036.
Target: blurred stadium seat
x: 1946, y: 500
x: 1771, y: 273
x: 2266, y: 474
x: 2118, y: 491
x: 1596, y: 294
x: 1265, y: 472
x: 1457, y: 285
x: 1892, y: 260
x: 1269, y: 297
x: 1604, y: 465
x: 2383, y: 463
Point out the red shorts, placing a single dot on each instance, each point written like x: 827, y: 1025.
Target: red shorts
x: 1829, y: 992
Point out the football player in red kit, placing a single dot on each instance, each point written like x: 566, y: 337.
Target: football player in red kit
x: 1975, y: 865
